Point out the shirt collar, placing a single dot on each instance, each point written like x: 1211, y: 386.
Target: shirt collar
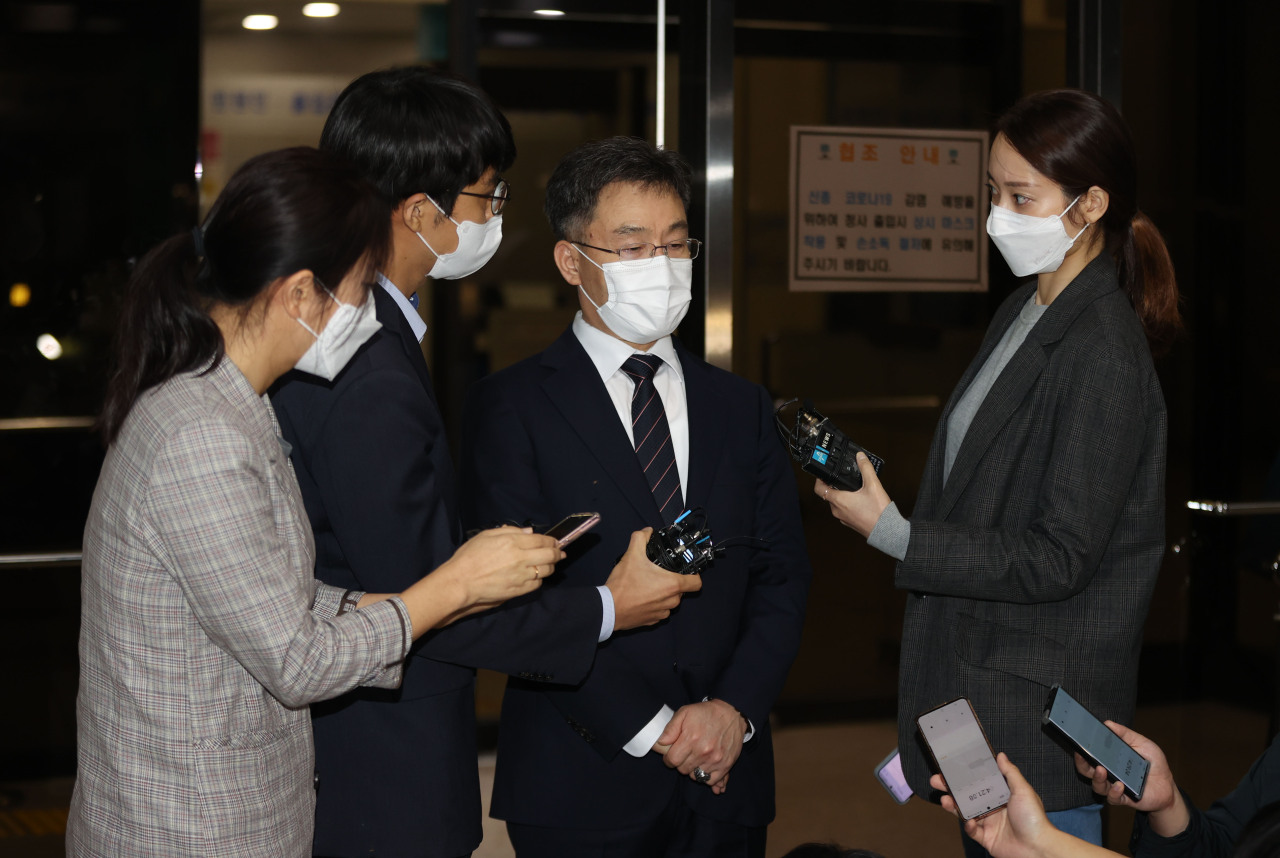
x: 410, y: 313
x: 609, y: 353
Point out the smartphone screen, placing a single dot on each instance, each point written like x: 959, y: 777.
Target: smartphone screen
x: 889, y: 773
x: 1096, y: 742
x: 960, y: 748
x: 572, y: 526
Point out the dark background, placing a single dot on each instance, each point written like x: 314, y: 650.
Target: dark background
x: 99, y: 141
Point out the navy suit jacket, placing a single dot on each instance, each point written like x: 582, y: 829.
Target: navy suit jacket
x: 397, y: 769
x: 542, y: 438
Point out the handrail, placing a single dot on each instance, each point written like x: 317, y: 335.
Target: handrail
x: 54, y: 558
x: 26, y: 424
x: 1216, y: 507
x: 860, y: 404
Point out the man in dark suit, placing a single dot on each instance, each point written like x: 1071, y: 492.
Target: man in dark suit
x: 396, y: 770
x: 664, y: 749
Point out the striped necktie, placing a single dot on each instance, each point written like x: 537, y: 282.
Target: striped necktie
x: 652, y: 436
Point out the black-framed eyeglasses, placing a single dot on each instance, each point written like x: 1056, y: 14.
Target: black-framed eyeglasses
x: 497, y: 200
x: 686, y: 248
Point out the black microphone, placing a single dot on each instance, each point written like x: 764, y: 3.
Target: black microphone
x: 821, y: 449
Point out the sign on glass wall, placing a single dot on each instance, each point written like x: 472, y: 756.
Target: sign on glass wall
x: 876, y: 209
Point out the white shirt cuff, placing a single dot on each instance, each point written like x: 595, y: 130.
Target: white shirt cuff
x: 642, y: 742
x: 607, y: 616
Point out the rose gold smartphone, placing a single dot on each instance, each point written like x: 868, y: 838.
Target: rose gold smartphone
x: 572, y: 526
x: 959, y: 746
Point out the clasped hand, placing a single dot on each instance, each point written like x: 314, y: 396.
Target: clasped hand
x: 705, y: 736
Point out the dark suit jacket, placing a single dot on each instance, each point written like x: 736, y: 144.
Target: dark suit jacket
x: 397, y: 769
x: 542, y: 438
x: 1035, y: 563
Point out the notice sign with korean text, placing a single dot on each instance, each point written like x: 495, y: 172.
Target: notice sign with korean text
x: 888, y: 209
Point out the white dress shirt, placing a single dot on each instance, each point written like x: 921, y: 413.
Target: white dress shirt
x: 410, y: 312
x: 609, y: 353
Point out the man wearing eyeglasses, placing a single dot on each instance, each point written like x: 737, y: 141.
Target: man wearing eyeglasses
x: 396, y: 771
x: 664, y: 749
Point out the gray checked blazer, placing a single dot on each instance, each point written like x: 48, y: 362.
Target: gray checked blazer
x: 1034, y: 563
x: 204, y: 635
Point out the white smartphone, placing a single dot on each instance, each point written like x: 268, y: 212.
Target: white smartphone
x: 1096, y: 742
x: 572, y: 526
x: 955, y: 738
x: 889, y: 773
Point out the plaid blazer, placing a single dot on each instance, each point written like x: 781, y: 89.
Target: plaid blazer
x: 204, y: 635
x: 1034, y: 563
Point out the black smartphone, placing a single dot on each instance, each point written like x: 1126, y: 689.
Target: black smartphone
x: 1096, y: 742
x: 572, y: 526
x: 959, y: 746
x: 889, y: 773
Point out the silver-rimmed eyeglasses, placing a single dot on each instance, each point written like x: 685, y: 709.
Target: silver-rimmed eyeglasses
x: 686, y: 248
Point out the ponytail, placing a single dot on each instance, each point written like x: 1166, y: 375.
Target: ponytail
x: 163, y: 329
x: 1146, y: 273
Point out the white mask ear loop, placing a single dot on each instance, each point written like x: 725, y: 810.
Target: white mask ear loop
x: 583, y: 254
x: 311, y: 330
x: 423, y: 238
x: 1063, y: 218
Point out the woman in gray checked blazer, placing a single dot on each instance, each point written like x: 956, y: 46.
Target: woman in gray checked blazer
x: 1033, y: 548
x: 204, y: 634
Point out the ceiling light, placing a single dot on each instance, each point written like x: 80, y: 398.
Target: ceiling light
x: 321, y: 10
x: 49, y: 346
x: 260, y: 22
x: 19, y: 295
x: 549, y: 13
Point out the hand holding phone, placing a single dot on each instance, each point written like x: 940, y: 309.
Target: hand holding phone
x: 572, y: 526
x: 1096, y: 742
x: 955, y: 738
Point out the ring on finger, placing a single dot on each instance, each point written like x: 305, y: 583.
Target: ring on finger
x: 701, y: 775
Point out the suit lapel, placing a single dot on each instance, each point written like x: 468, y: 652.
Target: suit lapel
x: 933, y: 492
x: 708, y: 423
x: 577, y: 392
x: 394, y: 324
x: 1004, y: 397
x: 1019, y: 375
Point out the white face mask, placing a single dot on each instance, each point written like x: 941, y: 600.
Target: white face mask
x: 477, y: 243
x: 647, y: 297
x: 348, y: 329
x: 1030, y: 244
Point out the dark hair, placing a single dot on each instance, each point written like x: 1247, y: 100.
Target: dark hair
x: 829, y: 850
x: 415, y: 130
x: 282, y: 212
x: 1260, y: 837
x: 1078, y: 140
x: 580, y: 177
